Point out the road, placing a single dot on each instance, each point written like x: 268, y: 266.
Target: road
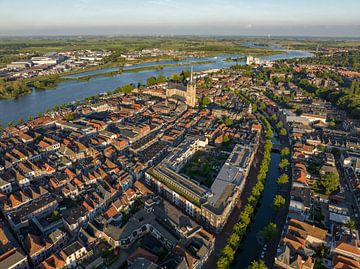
x: 350, y: 197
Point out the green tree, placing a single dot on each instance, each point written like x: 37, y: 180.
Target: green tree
x: 205, y: 101
x: 257, y: 265
x: 354, y: 88
x: 151, y: 81
x: 175, y: 77
x: 270, y: 231
x: 227, y: 121
x: 330, y: 182
x: 240, y: 228
x: 284, y: 163
x: 127, y: 88
x: 234, y: 240
x: 254, y: 107
x: 332, y: 124
x: 229, y: 253
x: 351, y: 225
x: 285, y: 152
x: 274, y: 117
x: 252, y: 200
x: 161, y: 79
x: 69, y: 117
x: 283, y: 132
x: 279, y: 202
x: 279, y: 124
x: 321, y: 147
x: 269, y: 133
x: 20, y: 121
x: 223, y: 263
x: 226, y: 139
x: 283, y: 179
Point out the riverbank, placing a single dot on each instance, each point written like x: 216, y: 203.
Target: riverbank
x: 12, y: 90
x: 72, y: 90
x: 138, y: 69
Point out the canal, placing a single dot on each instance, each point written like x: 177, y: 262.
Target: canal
x: 68, y: 91
x: 252, y: 245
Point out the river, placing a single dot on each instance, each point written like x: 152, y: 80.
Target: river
x: 72, y: 90
x: 251, y: 247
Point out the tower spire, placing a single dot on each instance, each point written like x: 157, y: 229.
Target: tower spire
x: 191, y: 75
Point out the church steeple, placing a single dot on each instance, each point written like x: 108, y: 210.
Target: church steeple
x: 191, y: 91
x: 191, y: 75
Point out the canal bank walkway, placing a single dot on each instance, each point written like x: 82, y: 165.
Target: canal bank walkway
x: 221, y: 238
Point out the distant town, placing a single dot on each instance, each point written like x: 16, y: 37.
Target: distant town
x: 53, y: 63
x: 178, y: 172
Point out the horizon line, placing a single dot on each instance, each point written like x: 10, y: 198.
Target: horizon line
x: 182, y: 35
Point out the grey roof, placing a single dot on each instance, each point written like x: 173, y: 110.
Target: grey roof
x: 231, y: 175
x: 71, y: 215
x: 23, y: 212
x: 72, y: 248
x: 142, y: 263
x: 12, y: 260
x: 56, y: 235
x: 179, y: 183
x: 3, y: 182
x: 164, y: 217
x: 141, y: 219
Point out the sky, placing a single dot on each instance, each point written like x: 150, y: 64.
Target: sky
x: 332, y: 18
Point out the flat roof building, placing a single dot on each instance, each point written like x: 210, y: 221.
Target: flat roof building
x: 211, y: 207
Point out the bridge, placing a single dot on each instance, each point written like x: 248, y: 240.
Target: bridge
x: 277, y: 147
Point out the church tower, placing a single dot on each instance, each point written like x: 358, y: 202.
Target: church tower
x: 191, y: 91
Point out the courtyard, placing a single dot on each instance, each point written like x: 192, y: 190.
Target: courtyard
x: 205, y: 165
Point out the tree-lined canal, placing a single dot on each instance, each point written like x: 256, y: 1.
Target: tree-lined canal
x: 251, y: 247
